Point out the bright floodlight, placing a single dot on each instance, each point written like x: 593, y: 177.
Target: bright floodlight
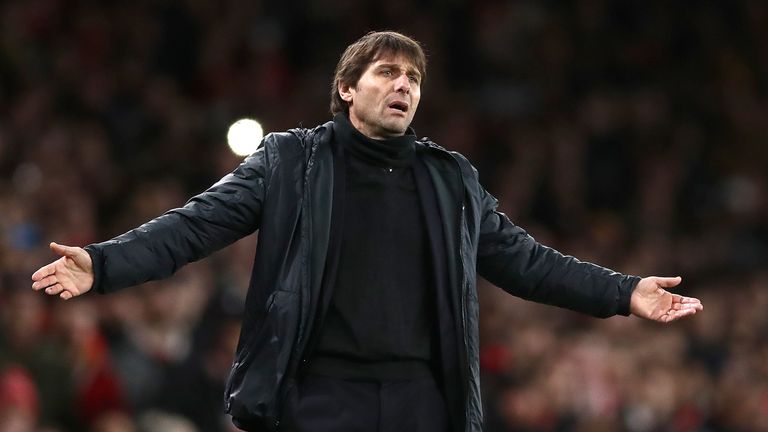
x: 244, y: 136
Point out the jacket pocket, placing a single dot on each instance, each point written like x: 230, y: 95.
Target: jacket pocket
x: 259, y: 369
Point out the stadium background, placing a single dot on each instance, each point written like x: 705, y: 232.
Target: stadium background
x: 631, y: 134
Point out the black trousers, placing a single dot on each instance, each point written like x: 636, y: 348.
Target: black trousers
x: 324, y: 404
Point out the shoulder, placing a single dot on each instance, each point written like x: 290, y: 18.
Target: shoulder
x: 294, y: 142
x: 298, y: 137
x: 466, y: 167
x: 308, y: 136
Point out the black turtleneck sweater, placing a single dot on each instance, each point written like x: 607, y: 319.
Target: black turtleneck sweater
x: 379, y: 322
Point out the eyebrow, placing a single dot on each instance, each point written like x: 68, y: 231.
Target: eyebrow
x: 409, y: 69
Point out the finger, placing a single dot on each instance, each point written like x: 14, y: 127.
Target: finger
x: 54, y: 289
x: 694, y: 303
x: 668, y: 282
x: 684, y: 306
x: 674, y: 315
x: 690, y: 300
x: 44, y: 271
x: 687, y: 301
x: 45, y: 282
x: 63, y: 250
x: 66, y: 295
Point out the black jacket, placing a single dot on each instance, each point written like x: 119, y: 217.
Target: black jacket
x: 284, y: 190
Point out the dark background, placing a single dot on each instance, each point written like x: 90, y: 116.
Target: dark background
x: 627, y: 133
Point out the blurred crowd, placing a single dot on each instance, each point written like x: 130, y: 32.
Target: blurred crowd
x: 624, y: 133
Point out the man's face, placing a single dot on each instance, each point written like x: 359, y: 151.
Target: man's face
x: 383, y: 102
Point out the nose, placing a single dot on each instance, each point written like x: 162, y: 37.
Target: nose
x: 403, y: 84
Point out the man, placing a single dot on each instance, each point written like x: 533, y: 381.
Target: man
x: 362, y: 310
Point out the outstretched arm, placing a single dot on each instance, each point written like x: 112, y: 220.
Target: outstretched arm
x: 651, y: 301
x: 511, y: 259
x: 68, y: 276
x: 224, y: 213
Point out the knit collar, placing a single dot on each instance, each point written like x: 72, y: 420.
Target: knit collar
x: 393, y: 152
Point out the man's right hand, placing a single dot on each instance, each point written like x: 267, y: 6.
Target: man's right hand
x: 68, y: 276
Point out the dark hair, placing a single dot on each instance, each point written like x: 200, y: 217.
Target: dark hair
x: 365, y: 51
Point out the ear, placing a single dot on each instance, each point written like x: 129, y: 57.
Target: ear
x: 346, y: 92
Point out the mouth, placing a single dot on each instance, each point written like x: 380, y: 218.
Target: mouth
x: 400, y: 106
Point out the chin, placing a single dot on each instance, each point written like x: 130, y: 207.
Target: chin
x: 398, y: 128
x: 394, y: 133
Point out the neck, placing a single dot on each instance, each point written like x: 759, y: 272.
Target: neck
x: 366, y: 130
x: 394, y: 151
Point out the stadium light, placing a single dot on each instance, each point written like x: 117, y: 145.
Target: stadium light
x: 244, y: 136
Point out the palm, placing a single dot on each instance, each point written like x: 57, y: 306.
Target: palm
x: 69, y: 276
x: 76, y: 273
x: 651, y: 301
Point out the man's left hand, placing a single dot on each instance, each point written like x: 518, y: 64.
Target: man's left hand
x: 652, y: 301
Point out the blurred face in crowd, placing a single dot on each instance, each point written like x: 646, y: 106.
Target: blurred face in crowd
x: 384, y: 100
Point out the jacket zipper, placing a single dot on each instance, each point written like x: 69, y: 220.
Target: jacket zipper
x: 464, y: 311
x: 465, y: 353
x: 295, y: 364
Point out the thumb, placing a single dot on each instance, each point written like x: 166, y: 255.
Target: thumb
x: 669, y: 282
x: 62, y: 250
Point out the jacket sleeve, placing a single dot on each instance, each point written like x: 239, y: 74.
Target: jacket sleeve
x: 226, y: 212
x: 511, y: 259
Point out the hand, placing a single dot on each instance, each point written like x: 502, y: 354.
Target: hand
x: 651, y: 301
x: 68, y: 276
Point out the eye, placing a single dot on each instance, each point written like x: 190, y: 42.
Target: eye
x: 413, y: 78
x: 386, y: 72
